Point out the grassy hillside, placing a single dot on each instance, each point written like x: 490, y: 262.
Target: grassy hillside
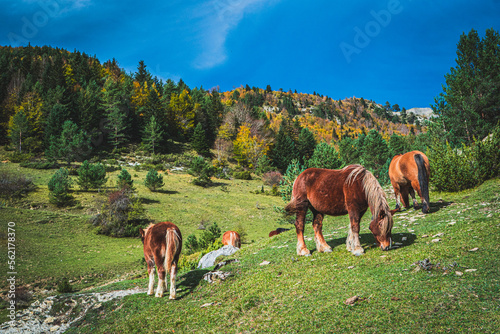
x: 398, y: 291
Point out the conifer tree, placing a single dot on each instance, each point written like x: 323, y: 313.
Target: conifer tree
x: 153, y: 180
x: 306, y: 144
x: 152, y: 134
x: 325, y: 156
x: 115, y: 113
x: 199, y: 141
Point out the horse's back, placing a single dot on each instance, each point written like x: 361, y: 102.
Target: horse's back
x: 323, y: 189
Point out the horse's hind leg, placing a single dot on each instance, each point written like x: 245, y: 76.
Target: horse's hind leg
x: 173, y: 274
x: 404, y: 197
x: 412, y: 194
x: 151, y: 273
x: 352, y: 242
x: 299, y: 228
x: 161, y: 278
x: 321, y: 244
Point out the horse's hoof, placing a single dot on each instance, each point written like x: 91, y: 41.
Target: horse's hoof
x: 358, y: 252
x: 171, y: 297
x: 303, y: 252
x: 158, y: 295
x: 327, y: 250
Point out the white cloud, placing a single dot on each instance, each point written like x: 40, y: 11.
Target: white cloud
x: 217, y: 18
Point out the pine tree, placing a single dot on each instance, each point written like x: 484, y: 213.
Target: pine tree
x: 199, y: 142
x: 306, y: 144
x: 325, y: 156
x: 115, y: 113
x: 125, y: 180
x: 153, y: 180
x: 59, y: 187
x: 71, y: 145
x: 152, y: 134
x: 469, y: 104
x: 375, y: 151
x: 91, y: 176
x: 284, y: 150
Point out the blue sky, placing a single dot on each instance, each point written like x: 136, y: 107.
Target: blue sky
x: 391, y: 50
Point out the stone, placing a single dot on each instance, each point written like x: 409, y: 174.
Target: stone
x: 352, y: 300
x: 208, y: 259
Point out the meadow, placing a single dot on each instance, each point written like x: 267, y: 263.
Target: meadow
x: 442, y: 276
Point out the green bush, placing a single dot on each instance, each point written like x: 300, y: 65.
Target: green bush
x: 452, y: 169
x: 125, y: 180
x: 243, y: 175
x: 59, y: 187
x: 153, y: 180
x: 39, y: 165
x: 19, y: 157
x: 202, y: 170
x: 286, y: 185
x: 455, y: 169
x: 91, y: 176
x: 12, y: 186
x: 205, y: 242
x: 121, y: 215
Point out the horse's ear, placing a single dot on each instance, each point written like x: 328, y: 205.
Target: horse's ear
x: 394, y: 211
x: 141, y: 231
x: 381, y: 214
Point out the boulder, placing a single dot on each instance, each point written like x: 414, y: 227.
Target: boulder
x: 208, y: 259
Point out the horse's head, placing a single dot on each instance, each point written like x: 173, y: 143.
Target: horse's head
x: 381, y: 228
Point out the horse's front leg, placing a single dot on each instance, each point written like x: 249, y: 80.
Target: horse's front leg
x: 299, y: 228
x: 352, y: 242
x: 321, y: 244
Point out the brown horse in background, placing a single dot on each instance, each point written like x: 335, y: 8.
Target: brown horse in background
x: 231, y: 238
x: 162, y: 246
x: 350, y: 190
x: 409, y: 172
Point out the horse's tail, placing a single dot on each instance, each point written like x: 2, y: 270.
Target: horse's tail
x: 291, y: 207
x: 172, y: 248
x: 423, y: 180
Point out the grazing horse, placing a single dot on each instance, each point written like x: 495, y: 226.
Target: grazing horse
x: 409, y: 172
x: 350, y: 190
x: 231, y: 238
x: 162, y: 246
x: 278, y: 231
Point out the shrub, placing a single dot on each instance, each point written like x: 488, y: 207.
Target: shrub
x: 153, y: 180
x: 39, y: 165
x: 202, y: 171
x: 325, y: 156
x: 244, y: 175
x: 63, y: 286
x: 271, y: 178
x: 12, y: 186
x: 121, y: 216
x: 91, y: 175
x: 205, y: 242
x: 286, y: 185
x: 459, y: 169
x: 125, y: 180
x: 20, y: 157
x: 59, y: 186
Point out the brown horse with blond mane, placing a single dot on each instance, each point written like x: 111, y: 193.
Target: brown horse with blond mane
x: 231, y: 238
x: 162, y: 246
x: 351, y: 190
x: 409, y: 172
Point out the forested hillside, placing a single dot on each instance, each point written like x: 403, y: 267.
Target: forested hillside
x: 69, y: 105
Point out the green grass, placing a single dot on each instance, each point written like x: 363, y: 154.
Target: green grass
x: 292, y: 294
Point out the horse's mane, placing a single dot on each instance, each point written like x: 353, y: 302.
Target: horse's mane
x: 374, y: 193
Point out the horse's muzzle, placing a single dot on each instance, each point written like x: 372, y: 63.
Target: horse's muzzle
x: 386, y: 248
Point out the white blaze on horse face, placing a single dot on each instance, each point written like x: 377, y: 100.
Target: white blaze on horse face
x: 151, y: 282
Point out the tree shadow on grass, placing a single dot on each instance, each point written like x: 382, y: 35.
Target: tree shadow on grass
x: 145, y: 200
x: 190, y: 280
x: 167, y: 192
